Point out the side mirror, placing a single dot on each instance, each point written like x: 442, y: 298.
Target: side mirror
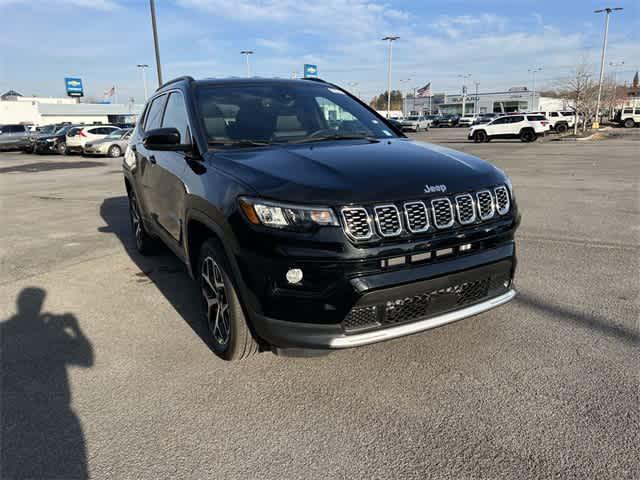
x: 165, y: 139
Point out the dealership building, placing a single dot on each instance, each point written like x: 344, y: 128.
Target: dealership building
x: 513, y: 100
x: 38, y: 111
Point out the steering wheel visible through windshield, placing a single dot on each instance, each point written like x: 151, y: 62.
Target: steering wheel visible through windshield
x: 257, y: 114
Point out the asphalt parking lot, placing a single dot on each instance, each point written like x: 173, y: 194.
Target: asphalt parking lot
x: 105, y: 371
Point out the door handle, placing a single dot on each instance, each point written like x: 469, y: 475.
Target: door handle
x: 152, y: 159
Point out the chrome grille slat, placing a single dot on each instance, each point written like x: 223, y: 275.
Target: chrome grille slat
x: 417, y: 217
x: 465, y: 209
x: 502, y: 200
x: 486, y: 208
x: 388, y: 220
x: 357, y: 223
x: 442, y: 212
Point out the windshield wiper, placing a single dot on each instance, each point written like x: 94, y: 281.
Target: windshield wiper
x: 240, y: 143
x: 336, y: 136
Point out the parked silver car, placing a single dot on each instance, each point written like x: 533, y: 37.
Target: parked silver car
x: 113, y: 145
x: 415, y: 123
x: 14, y: 137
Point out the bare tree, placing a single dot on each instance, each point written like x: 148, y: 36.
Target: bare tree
x: 581, y: 92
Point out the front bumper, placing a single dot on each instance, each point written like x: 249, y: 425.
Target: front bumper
x: 389, y: 304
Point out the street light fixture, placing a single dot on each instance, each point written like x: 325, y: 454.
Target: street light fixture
x: 608, y: 11
x: 246, y: 53
x: 533, y: 71
x: 143, y: 66
x: 389, y: 39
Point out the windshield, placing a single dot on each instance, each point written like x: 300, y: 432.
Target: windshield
x: 412, y: 118
x: 62, y: 130
x: 116, y: 134
x: 284, y: 113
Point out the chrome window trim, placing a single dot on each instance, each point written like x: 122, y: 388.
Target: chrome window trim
x: 473, y: 207
x: 493, y: 205
x: 346, y: 228
x: 433, y: 211
x: 426, y: 215
x: 386, y: 205
x: 508, y: 207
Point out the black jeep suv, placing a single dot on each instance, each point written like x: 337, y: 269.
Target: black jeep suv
x: 309, y: 221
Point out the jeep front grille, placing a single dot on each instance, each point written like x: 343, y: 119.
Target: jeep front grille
x: 416, y: 216
x: 502, y: 200
x: 357, y: 223
x: 485, y: 204
x: 388, y: 220
x: 466, y: 210
x: 442, y: 212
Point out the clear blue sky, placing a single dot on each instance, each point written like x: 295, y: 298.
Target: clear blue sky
x: 496, y: 41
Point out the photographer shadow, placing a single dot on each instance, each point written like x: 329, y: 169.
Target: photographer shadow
x: 41, y: 435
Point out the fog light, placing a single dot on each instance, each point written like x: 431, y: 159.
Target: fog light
x: 294, y: 275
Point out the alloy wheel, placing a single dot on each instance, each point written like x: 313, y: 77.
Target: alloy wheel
x: 216, y: 301
x: 136, y: 222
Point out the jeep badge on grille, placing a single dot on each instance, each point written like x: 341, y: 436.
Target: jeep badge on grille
x: 435, y: 188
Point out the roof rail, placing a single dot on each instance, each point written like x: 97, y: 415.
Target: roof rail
x: 188, y: 78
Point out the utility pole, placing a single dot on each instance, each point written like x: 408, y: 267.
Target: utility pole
x: 353, y: 85
x: 533, y: 71
x: 404, y: 99
x: 156, y: 44
x: 476, y: 108
x: 390, y: 39
x: 246, y: 54
x: 464, y: 77
x: 608, y: 11
x: 143, y: 67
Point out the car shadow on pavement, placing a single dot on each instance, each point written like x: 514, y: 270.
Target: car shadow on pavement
x: 41, y: 435
x: 593, y: 322
x: 162, y: 268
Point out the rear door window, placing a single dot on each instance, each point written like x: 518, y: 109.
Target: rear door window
x: 535, y: 118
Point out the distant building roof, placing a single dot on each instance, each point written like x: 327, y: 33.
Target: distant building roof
x: 88, y: 109
x: 10, y: 93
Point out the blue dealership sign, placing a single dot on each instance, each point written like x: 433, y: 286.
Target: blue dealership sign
x: 310, y: 70
x: 74, y: 86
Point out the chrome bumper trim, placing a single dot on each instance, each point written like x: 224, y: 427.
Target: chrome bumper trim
x: 421, y: 325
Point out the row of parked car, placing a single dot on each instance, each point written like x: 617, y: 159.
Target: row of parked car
x: 64, y: 139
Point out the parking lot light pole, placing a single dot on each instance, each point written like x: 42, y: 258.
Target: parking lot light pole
x: 143, y: 67
x: 154, y: 26
x: 246, y: 54
x: 607, y: 11
x: 476, y: 108
x: 533, y: 71
x: 353, y: 85
x: 390, y: 39
x: 404, y: 97
x: 464, y: 77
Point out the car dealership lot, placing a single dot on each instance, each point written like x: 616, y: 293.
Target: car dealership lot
x: 545, y: 386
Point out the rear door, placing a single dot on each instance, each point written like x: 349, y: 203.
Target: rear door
x: 146, y: 159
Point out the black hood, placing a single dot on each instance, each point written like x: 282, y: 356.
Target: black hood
x: 357, y: 171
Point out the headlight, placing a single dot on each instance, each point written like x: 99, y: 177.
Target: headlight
x: 285, y: 216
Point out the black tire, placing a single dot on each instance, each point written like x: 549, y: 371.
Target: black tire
x: 61, y: 148
x: 229, y: 334
x: 629, y: 123
x: 115, y: 151
x: 480, y: 136
x: 145, y: 243
x: 527, y: 135
x: 562, y: 128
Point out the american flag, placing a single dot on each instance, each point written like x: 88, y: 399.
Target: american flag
x: 111, y: 92
x: 424, y: 91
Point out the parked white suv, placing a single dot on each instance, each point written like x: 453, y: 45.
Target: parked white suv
x: 527, y: 127
x: 628, y: 117
x: 415, y: 123
x: 467, y: 120
x: 560, y: 121
x: 78, y: 137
